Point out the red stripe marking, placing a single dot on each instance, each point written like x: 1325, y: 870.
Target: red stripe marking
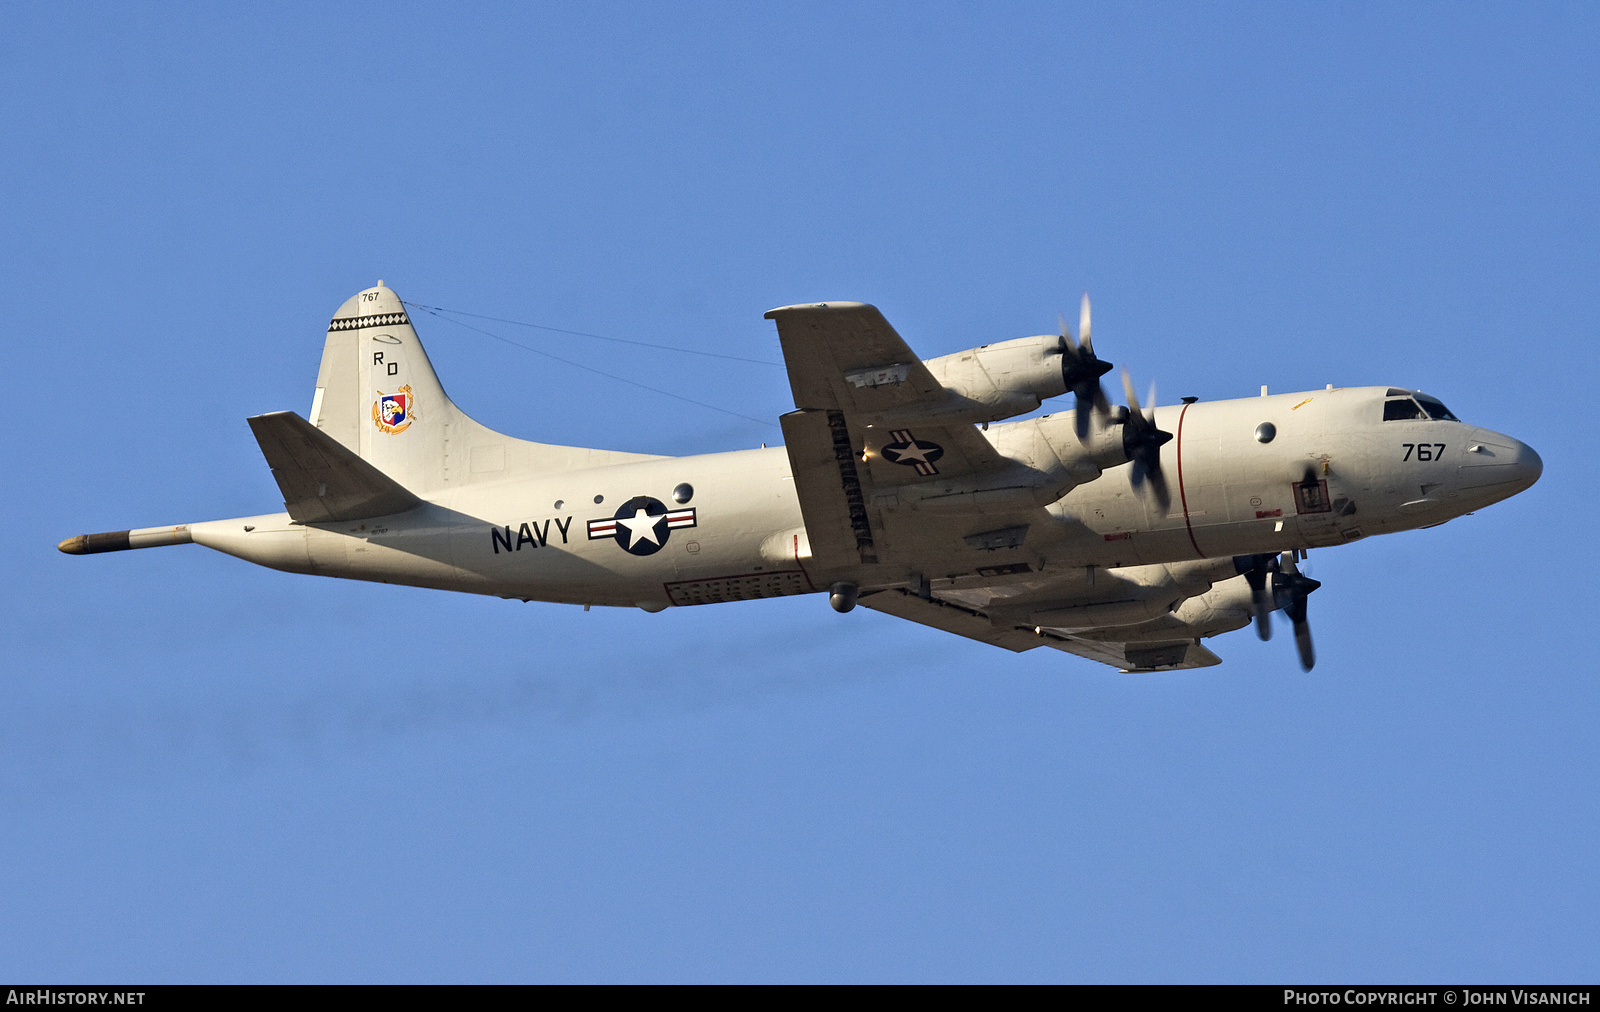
x: 1182, y: 497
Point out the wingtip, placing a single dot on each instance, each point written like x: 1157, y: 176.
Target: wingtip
x: 812, y: 307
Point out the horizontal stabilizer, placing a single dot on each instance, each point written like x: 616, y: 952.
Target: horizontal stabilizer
x: 321, y: 479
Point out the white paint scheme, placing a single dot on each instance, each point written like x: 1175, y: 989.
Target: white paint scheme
x: 1027, y: 535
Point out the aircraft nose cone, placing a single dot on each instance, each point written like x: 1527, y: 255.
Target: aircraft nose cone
x: 1508, y: 465
x: 1528, y: 465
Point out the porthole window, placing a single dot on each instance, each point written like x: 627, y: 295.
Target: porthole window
x: 558, y: 503
x: 1265, y: 432
x: 682, y: 493
x: 599, y: 499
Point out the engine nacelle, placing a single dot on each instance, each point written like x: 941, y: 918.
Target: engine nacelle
x: 1223, y: 608
x: 1000, y: 380
x: 1053, y: 447
x: 1151, y: 598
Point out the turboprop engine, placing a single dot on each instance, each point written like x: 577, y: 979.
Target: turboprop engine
x: 1121, y: 597
x: 1009, y: 378
x: 1055, y: 453
x: 1005, y: 379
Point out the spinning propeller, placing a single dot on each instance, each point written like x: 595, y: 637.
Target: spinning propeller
x: 1081, y: 369
x: 1142, y: 442
x: 1275, y: 581
x: 1260, y: 600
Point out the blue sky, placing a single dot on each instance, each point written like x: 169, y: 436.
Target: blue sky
x: 211, y: 771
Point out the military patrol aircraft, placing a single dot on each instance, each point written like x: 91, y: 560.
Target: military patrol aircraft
x: 1122, y: 534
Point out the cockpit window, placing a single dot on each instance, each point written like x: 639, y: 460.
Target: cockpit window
x: 1436, y: 409
x: 1397, y: 392
x: 1396, y: 411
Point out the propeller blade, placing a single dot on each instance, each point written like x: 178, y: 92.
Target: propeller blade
x: 1260, y: 600
x: 1132, y: 431
x: 1158, y: 485
x: 1302, y: 641
x: 1068, y: 342
x: 1142, y: 442
x: 1081, y: 371
x: 1102, y: 403
x: 1083, y: 324
x: 1292, y: 587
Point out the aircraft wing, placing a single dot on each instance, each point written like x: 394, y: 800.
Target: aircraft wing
x: 859, y: 446
x: 964, y: 621
x: 1140, y: 658
x: 322, y: 480
x: 844, y: 356
x: 877, y: 475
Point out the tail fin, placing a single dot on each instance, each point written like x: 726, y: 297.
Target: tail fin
x: 377, y: 394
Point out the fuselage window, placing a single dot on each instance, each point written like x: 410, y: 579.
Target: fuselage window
x: 1436, y: 409
x: 1397, y: 411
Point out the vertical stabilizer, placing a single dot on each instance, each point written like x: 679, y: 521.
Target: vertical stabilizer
x: 378, y: 395
x: 377, y: 392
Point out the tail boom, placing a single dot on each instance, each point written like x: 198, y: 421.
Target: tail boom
x: 121, y: 541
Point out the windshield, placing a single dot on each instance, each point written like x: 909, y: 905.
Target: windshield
x: 1425, y: 407
x: 1395, y: 411
x: 1436, y: 409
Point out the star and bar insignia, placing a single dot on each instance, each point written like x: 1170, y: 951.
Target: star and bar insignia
x: 642, y: 525
x: 912, y: 452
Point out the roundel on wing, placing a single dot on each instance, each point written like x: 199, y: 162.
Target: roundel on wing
x: 910, y: 451
x: 642, y: 525
x: 913, y: 451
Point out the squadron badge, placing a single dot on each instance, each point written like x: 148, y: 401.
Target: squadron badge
x: 641, y: 525
x: 393, y: 412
